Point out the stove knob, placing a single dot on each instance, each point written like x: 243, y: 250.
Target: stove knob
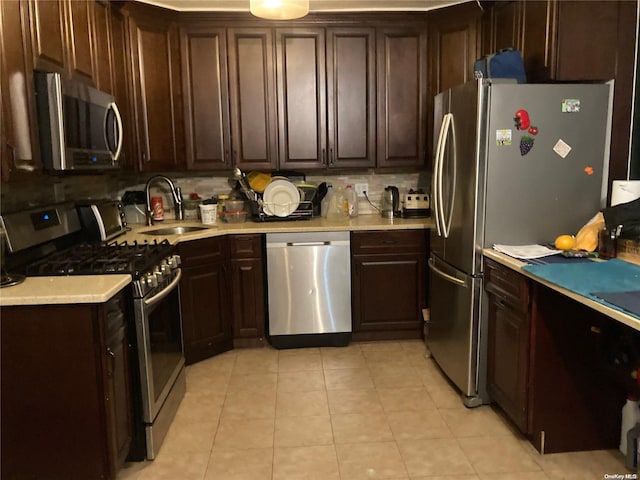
x: 151, y: 280
x: 173, y: 261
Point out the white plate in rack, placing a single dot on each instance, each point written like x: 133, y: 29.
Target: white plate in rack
x: 280, y: 198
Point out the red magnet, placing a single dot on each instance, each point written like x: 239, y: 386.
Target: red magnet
x: 522, y: 119
x: 588, y: 170
x: 533, y: 130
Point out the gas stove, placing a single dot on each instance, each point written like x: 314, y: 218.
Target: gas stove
x: 150, y: 264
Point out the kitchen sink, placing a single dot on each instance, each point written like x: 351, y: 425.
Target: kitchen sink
x: 174, y: 230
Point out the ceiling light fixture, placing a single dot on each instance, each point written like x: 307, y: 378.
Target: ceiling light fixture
x: 279, y: 9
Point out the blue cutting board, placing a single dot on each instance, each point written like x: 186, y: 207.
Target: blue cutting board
x: 585, y: 278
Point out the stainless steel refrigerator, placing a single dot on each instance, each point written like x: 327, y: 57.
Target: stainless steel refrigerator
x: 513, y: 164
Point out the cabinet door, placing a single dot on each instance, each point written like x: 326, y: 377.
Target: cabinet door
x: 506, y: 17
x: 383, y: 308
x: 538, y: 39
x: 48, y: 30
x: 206, y: 316
x: 247, y: 282
x: 301, y: 76
x: 508, y: 359
x: 82, y: 52
x: 351, y: 97
x: 122, y: 88
x: 118, y: 397
x: 402, y: 80
x: 253, y: 98
x: 206, y: 98
x: 20, y: 154
x: 104, y: 60
x: 160, y: 130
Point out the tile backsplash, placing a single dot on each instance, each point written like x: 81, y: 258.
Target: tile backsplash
x: 46, y: 190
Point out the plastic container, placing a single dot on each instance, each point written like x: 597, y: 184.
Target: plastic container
x: 209, y: 213
x: 630, y: 417
x: 237, y: 216
x: 233, y: 205
x: 191, y: 210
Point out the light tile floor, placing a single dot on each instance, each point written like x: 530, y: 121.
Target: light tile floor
x: 367, y: 411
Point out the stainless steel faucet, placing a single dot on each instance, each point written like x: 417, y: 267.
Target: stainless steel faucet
x: 175, y: 191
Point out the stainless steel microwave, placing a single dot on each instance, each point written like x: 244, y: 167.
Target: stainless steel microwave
x: 80, y: 128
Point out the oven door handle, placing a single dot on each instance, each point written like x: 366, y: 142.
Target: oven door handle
x: 159, y: 296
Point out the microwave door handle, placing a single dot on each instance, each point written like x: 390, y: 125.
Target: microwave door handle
x: 436, y: 174
x: 445, y: 130
x: 118, y: 123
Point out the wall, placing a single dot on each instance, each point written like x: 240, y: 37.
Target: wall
x: 209, y: 186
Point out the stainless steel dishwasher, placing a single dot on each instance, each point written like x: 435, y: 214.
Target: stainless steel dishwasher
x: 309, y: 285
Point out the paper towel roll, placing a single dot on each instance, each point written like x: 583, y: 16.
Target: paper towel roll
x: 623, y: 191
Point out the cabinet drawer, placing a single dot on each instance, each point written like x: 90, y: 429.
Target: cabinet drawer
x: 196, y: 252
x: 398, y: 241
x: 245, y: 246
x: 509, y: 285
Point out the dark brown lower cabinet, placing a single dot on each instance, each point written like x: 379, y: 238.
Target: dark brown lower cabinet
x: 509, y: 324
x: 247, y: 289
x: 207, y: 326
x: 554, y: 365
x: 388, y: 284
x: 65, y: 391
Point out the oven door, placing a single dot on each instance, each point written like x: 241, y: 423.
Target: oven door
x: 159, y: 333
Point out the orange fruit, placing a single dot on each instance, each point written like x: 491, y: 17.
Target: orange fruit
x: 565, y: 242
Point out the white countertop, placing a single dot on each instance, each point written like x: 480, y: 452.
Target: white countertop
x: 516, y: 264
x: 359, y: 223
x: 64, y: 290
x: 100, y: 288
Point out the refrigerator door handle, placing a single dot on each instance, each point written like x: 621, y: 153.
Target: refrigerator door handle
x: 454, y: 160
x: 444, y: 275
x: 446, y: 125
x: 436, y: 176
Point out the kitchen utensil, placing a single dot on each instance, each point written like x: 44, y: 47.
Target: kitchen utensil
x: 390, y: 202
x: 244, y: 184
x: 280, y: 198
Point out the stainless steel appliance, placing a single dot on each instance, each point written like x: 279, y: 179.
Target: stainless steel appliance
x: 390, y: 202
x: 80, y: 128
x: 514, y: 164
x: 46, y: 239
x: 309, y: 277
x: 102, y: 220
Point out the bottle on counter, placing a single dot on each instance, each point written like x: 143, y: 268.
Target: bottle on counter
x: 222, y: 199
x: 351, y: 199
x: 630, y: 417
x: 326, y: 201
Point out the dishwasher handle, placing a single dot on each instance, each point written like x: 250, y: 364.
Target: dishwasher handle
x: 327, y: 243
x: 307, y: 244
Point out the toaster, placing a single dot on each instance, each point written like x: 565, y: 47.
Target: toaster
x: 416, y: 204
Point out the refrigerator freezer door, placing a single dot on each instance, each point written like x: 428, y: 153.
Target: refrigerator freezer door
x: 453, y: 328
x: 548, y: 191
x: 457, y: 174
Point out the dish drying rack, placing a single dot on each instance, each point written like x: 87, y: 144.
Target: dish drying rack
x: 256, y: 208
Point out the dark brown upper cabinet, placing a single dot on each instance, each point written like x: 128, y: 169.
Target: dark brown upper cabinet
x: 19, y: 147
x: 454, y: 45
x: 155, y: 59
x: 254, y: 132
x: 104, y: 55
x: 402, y: 96
x: 574, y: 41
x: 301, y: 77
x: 206, y: 98
x: 63, y: 37
x: 351, y: 97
